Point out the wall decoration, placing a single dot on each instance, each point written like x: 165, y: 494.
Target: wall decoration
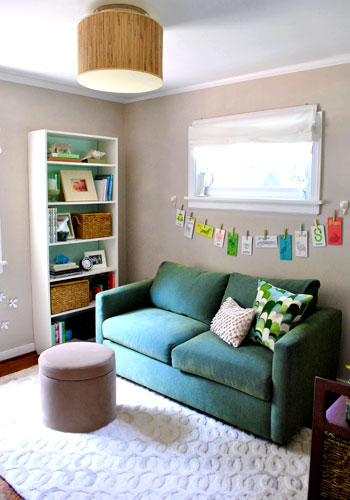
x: 189, y: 226
x: 180, y: 217
x: 285, y: 241
x: 232, y: 244
x: 219, y: 236
x: 247, y: 245
x: 4, y: 325
x: 78, y: 185
x: 2, y: 297
x: 2, y: 262
x: 318, y: 235
x: 13, y: 303
x: 265, y: 241
x: 334, y: 230
x: 301, y: 244
x: 204, y: 230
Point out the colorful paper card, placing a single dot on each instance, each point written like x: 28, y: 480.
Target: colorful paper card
x: 285, y: 242
x: 232, y: 244
x: 265, y: 241
x: 189, y: 227
x: 219, y: 237
x: 318, y: 236
x: 334, y: 231
x: 301, y: 244
x: 180, y: 217
x: 204, y: 230
x: 247, y: 245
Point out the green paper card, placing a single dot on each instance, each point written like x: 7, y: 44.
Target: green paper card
x: 204, y: 230
x: 232, y: 244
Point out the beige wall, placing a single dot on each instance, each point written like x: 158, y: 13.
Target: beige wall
x: 156, y: 132
x: 24, y: 108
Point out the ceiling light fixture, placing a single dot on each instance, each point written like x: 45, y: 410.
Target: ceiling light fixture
x: 120, y: 49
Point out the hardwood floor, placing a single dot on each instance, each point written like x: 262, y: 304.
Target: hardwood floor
x: 6, y: 367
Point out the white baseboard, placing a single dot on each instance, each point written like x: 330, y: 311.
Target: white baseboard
x: 12, y: 353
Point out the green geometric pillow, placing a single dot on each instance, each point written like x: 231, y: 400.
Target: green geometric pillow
x: 277, y: 312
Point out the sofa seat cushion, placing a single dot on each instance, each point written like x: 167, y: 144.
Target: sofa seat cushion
x: 188, y: 291
x: 247, y: 368
x: 151, y: 331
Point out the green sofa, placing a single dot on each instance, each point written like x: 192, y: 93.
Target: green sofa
x: 160, y: 332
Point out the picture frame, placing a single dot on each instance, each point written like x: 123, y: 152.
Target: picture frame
x: 61, y: 216
x: 78, y: 185
x: 98, y: 258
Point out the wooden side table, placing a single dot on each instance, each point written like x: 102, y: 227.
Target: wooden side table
x: 330, y: 443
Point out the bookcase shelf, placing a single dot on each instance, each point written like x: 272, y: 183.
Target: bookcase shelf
x: 42, y: 252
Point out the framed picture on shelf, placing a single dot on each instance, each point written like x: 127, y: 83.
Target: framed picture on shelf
x: 66, y: 219
x: 78, y: 185
x: 98, y: 258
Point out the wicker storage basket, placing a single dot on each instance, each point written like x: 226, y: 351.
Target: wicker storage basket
x: 335, y: 476
x: 93, y: 225
x: 69, y: 295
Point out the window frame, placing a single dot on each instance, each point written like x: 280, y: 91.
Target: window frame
x: 310, y: 206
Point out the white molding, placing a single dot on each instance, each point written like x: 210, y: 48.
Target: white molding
x: 282, y: 70
x: 295, y: 207
x: 28, y: 79
x: 17, y: 351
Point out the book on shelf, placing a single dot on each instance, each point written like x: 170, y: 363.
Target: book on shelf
x: 96, y: 289
x: 72, y: 160
x: 109, y: 178
x: 101, y: 189
x: 63, y: 155
x: 52, y: 225
x: 94, y: 160
x: 58, y: 332
x: 62, y: 267
x: 67, y: 272
x: 111, y: 280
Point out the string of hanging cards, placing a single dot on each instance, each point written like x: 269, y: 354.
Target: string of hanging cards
x: 283, y: 241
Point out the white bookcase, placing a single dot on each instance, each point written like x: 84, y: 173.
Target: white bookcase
x: 43, y: 252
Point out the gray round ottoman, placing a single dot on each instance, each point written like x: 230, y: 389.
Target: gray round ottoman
x: 77, y: 386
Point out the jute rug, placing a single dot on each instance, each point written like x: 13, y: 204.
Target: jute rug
x: 154, y: 449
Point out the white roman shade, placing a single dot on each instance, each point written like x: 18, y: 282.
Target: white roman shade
x: 294, y: 124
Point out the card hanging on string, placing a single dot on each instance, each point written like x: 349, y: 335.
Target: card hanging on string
x: 265, y: 241
x: 204, y: 230
x: 232, y: 244
x: 301, y: 244
x: 189, y: 226
x: 219, y: 237
x: 318, y: 236
x: 285, y: 241
x: 247, y: 245
x: 180, y: 217
x: 334, y: 230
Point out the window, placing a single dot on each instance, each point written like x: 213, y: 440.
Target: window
x: 267, y: 161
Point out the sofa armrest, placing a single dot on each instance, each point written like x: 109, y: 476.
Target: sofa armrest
x: 311, y: 349
x: 120, y: 300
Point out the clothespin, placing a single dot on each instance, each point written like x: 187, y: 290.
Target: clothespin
x: 284, y: 233
x: 334, y: 215
x: 182, y: 206
x: 233, y: 231
x: 205, y: 222
x: 265, y: 234
x: 221, y: 227
x: 301, y: 228
x: 247, y: 233
x: 315, y: 222
x: 191, y: 215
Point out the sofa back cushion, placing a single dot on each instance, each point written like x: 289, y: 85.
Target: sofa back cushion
x: 242, y: 288
x: 188, y: 291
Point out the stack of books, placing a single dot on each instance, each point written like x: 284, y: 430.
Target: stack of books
x: 68, y: 157
x: 52, y: 221
x: 104, y: 187
x: 62, y: 270
x: 58, y: 332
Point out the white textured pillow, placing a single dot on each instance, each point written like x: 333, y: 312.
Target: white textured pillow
x: 232, y: 322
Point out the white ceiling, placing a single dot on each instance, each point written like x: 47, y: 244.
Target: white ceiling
x: 206, y: 42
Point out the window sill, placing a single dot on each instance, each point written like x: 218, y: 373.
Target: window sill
x: 299, y: 207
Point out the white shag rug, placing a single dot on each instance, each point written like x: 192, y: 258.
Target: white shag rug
x: 155, y: 449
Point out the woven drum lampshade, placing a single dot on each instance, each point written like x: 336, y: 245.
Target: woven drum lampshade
x: 120, y: 50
